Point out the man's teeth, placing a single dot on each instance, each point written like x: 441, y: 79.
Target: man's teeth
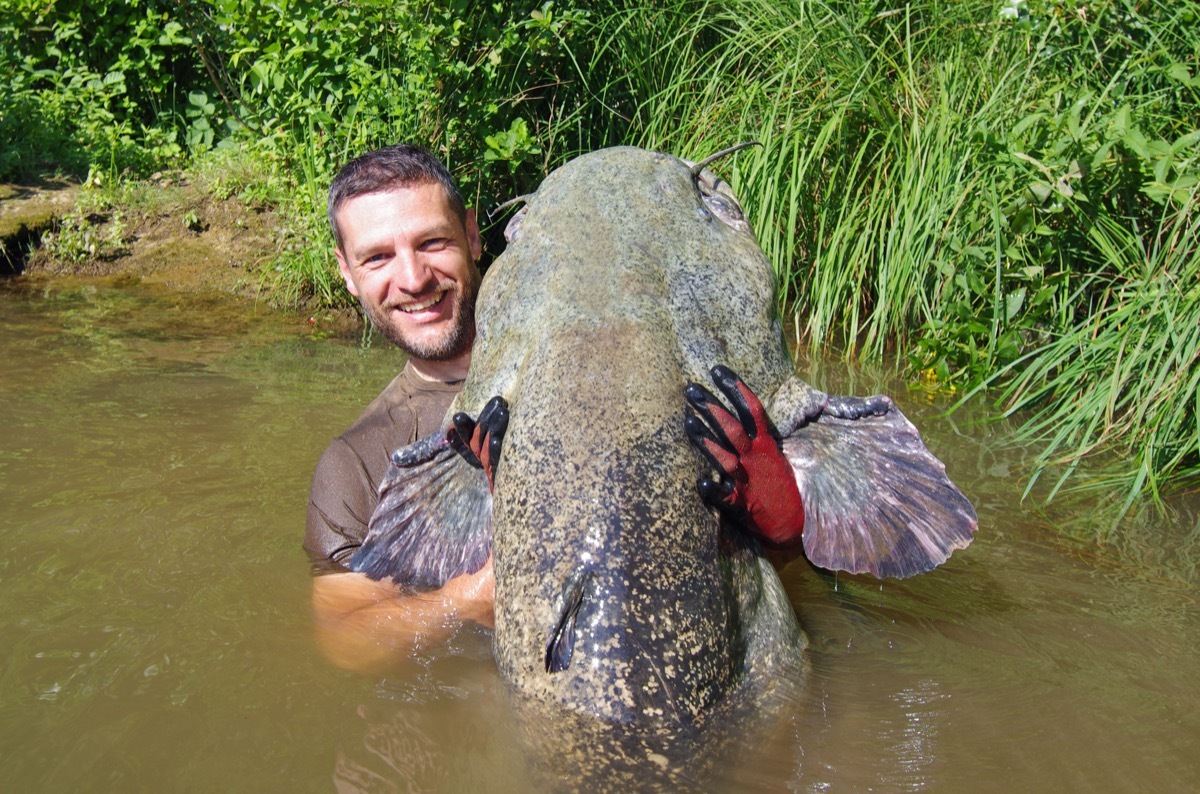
x: 417, y: 306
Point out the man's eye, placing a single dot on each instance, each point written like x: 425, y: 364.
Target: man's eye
x: 435, y: 244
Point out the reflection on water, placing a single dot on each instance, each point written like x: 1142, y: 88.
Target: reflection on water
x: 154, y: 463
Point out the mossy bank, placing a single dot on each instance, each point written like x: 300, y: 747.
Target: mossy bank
x: 171, y: 230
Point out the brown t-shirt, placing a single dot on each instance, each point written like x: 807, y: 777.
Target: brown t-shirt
x: 345, y: 485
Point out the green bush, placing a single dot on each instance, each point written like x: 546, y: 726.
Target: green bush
x: 324, y: 83
x: 996, y: 193
x: 92, y: 84
x: 960, y: 186
x: 476, y: 81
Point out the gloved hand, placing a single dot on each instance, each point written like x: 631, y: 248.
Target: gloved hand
x: 479, y: 441
x: 756, y: 483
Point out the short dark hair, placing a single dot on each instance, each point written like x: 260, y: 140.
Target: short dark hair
x: 390, y: 168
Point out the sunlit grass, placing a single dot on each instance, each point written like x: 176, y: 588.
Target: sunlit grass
x: 998, y: 195
x: 993, y: 200
x: 1124, y: 380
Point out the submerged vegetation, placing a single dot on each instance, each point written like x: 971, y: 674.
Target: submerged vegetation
x: 1000, y: 194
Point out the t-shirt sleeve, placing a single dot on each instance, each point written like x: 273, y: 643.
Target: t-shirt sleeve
x: 340, y: 504
x: 345, y: 485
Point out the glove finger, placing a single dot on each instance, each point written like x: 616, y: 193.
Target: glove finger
x: 722, y: 458
x: 702, y: 438
x: 497, y: 425
x: 489, y: 410
x: 750, y: 411
x: 478, y: 440
x: 461, y: 438
x: 722, y: 424
x: 495, y: 416
x: 715, y: 494
x: 456, y: 443
x: 727, y: 463
x: 699, y: 396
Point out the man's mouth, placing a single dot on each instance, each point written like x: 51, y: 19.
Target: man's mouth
x: 427, y: 302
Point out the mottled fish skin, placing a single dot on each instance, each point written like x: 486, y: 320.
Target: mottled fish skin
x: 620, y: 288
x: 619, y: 594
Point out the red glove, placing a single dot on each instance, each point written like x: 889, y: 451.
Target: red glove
x: 479, y: 442
x: 756, y: 482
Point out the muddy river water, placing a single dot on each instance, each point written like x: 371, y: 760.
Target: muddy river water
x: 155, y: 453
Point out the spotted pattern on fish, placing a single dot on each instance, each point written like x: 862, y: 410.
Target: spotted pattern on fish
x: 620, y: 596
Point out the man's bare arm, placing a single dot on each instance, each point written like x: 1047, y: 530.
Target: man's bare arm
x: 364, y: 625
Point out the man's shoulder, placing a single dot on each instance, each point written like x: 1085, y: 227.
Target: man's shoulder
x: 380, y: 409
x: 401, y: 409
x: 347, y: 477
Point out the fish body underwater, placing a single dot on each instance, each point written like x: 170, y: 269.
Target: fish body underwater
x: 621, y: 598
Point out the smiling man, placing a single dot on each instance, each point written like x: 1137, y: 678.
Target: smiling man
x: 406, y: 247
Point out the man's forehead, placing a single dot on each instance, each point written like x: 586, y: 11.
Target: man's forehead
x: 426, y: 190
x: 368, y: 217
x: 420, y: 195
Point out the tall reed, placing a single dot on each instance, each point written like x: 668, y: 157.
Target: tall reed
x: 1122, y: 384
x: 993, y: 196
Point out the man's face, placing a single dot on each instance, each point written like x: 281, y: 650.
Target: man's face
x: 411, y: 263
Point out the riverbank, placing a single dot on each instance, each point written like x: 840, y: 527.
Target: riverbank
x: 168, y: 230
x: 27, y: 211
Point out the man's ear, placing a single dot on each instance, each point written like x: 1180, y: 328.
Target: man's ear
x: 344, y: 269
x: 473, y: 236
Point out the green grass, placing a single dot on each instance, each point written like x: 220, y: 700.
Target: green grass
x: 1123, y: 382
x: 1005, y: 205
x: 992, y: 202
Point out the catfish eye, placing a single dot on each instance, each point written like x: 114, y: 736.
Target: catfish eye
x: 723, y: 205
x: 513, y: 229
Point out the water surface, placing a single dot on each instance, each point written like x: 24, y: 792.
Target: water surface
x: 154, y: 598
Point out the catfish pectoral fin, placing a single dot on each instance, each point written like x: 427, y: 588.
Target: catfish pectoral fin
x: 433, y: 521
x: 875, y: 499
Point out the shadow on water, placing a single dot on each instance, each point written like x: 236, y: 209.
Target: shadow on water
x: 154, y: 467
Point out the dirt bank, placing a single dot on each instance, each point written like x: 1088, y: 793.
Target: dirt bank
x: 26, y: 213
x: 164, y: 231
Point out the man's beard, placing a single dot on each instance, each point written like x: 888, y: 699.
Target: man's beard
x: 455, y: 342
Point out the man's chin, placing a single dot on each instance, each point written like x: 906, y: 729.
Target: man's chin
x: 440, y: 341
x: 446, y: 345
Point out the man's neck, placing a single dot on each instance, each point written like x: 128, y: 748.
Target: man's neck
x: 441, y: 371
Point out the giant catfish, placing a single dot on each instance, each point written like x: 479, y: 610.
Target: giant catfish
x: 620, y: 595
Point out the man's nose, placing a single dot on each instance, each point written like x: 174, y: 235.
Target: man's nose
x: 410, y: 273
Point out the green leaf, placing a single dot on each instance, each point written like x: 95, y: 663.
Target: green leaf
x: 1041, y: 192
x: 1013, y: 302
x: 1120, y: 123
x: 1180, y: 73
x: 1134, y: 139
x: 1026, y: 123
x: 1023, y: 221
x: 1185, y: 141
x: 1161, y: 168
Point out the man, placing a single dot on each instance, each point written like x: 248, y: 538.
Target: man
x: 406, y: 247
